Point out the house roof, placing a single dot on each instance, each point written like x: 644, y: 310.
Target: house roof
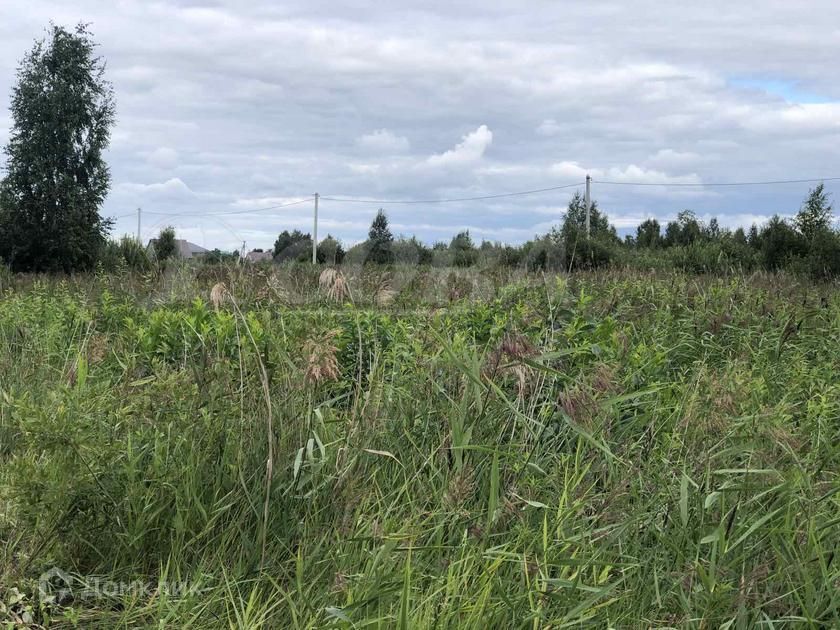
x: 188, y: 250
x: 185, y: 248
x: 255, y: 256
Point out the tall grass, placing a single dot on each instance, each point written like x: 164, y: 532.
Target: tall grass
x: 613, y: 449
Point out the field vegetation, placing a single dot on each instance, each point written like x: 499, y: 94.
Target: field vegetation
x: 418, y: 447
x: 578, y: 430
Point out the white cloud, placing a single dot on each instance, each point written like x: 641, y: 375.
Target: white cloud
x: 816, y: 118
x: 171, y: 188
x: 570, y: 170
x: 669, y: 158
x: 629, y: 174
x: 163, y: 157
x: 365, y: 169
x: 383, y: 141
x: 548, y: 128
x: 633, y: 173
x: 470, y: 149
x: 265, y: 202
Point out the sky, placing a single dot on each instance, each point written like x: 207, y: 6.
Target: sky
x: 225, y: 108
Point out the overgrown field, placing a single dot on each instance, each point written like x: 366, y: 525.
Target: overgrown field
x: 426, y: 449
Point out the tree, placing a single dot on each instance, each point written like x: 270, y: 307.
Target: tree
x: 380, y: 240
x: 684, y: 231
x: 293, y: 245
x: 330, y: 251
x: 165, y: 245
x: 713, y: 231
x: 463, y: 249
x: 778, y: 243
x: 575, y: 218
x: 411, y: 251
x: 56, y: 178
x: 217, y: 256
x: 648, y: 234
x: 424, y: 254
x: 815, y: 215
x: 510, y: 256
x: 578, y: 250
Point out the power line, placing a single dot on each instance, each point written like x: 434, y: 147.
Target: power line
x: 481, y: 198
x: 282, y: 205
x: 228, y: 213
x: 720, y: 184
x: 150, y: 230
x: 520, y: 193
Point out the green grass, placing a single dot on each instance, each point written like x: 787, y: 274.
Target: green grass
x: 613, y: 449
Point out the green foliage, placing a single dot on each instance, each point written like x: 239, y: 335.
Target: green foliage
x: 814, y: 218
x: 463, y: 249
x: 580, y: 251
x: 411, y: 251
x: 380, y: 241
x: 165, y: 245
x: 606, y: 449
x: 127, y: 253
x: 720, y: 256
x: 575, y: 219
x: 778, y: 243
x: 424, y: 253
x: 684, y: 231
x: 822, y: 257
x: 293, y: 245
x: 544, y: 253
x: 713, y: 232
x: 648, y: 234
x: 56, y: 178
x: 808, y: 246
x: 330, y: 251
x: 218, y: 257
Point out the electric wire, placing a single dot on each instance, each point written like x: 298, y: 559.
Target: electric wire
x: 384, y: 202
x: 718, y: 184
x: 228, y: 213
x: 453, y: 200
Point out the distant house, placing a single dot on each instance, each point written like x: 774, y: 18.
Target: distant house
x: 258, y: 255
x: 184, y: 248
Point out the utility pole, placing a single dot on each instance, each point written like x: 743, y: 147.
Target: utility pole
x: 139, y: 212
x: 588, y: 201
x: 315, y: 234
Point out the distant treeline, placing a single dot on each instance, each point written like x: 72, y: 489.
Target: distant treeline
x: 807, y: 244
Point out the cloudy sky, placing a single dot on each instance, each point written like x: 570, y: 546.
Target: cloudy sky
x: 225, y: 107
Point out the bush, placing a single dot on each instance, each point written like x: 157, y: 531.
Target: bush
x: 822, y: 260
x: 778, y: 244
x: 126, y: 253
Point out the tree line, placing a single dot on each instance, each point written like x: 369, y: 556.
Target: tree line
x: 806, y: 244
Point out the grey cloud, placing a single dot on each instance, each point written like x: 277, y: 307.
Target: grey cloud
x: 383, y: 141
